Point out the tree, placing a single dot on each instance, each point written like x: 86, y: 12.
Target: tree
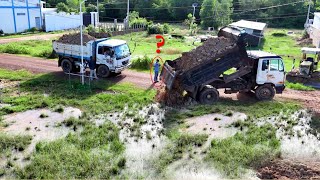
x: 62, y: 7
x: 91, y: 8
x: 190, y: 21
x: 216, y: 13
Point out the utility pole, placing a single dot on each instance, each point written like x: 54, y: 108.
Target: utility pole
x: 98, y: 11
x: 81, y: 39
x: 128, y: 6
x: 308, y: 15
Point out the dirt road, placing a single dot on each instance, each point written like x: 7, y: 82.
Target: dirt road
x: 310, y: 99
x: 32, y: 37
x: 39, y: 65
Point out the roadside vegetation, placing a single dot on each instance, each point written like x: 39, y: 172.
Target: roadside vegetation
x: 299, y: 86
x: 99, y: 97
x: 35, y: 48
x: 32, y: 32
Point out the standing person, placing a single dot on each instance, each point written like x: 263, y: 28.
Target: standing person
x: 92, y: 66
x: 156, y: 68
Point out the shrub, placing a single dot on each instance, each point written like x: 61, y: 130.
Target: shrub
x: 1, y: 31
x: 141, y: 63
x: 279, y: 34
x: 155, y: 29
x: 166, y: 28
x: 91, y: 28
x: 33, y: 29
x: 14, y: 49
x: 139, y: 22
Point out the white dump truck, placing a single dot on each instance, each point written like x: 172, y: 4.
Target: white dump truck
x: 70, y: 55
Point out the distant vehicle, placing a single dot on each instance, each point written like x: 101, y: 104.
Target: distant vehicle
x: 308, y: 66
x: 257, y: 71
x: 70, y: 55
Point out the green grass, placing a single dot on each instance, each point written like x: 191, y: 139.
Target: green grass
x: 10, y: 142
x: 251, y: 109
x: 9, y: 36
x: 299, y: 86
x: 94, y: 153
x: 101, y: 97
x: 181, y: 143
x: 244, y: 150
x: 147, y: 45
x: 35, y: 48
x: 15, y: 75
x: 283, y: 45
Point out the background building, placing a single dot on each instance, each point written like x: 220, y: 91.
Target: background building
x: 314, y: 30
x: 20, y: 15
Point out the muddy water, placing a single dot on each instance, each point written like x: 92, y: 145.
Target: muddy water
x: 302, y: 146
x: 41, y: 129
x: 143, y: 147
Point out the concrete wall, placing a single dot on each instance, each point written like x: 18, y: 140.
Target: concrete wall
x: 61, y: 21
x: 315, y: 36
x: 19, y: 15
x: 7, y: 22
x: 316, y: 21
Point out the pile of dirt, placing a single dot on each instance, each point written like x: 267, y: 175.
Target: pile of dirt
x: 285, y: 169
x: 213, y: 48
x: 304, y: 42
x: 75, y: 38
x: 295, y: 77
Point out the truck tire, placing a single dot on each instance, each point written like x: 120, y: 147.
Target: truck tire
x: 265, y: 92
x: 209, y: 95
x: 66, y: 66
x: 103, y: 71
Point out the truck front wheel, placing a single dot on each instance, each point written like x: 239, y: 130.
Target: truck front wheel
x: 209, y: 95
x: 103, y: 71
x: 265, y: 92
x: 66, y: 66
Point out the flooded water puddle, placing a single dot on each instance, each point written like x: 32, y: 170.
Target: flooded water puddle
x: 142, y: 133
x: 41, y: 124
x: 215, y: 125
x: 294, y: 131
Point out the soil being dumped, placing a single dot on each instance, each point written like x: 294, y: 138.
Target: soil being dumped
x: 74, y: 38
x: 212, y: 49
x: 284, y: 169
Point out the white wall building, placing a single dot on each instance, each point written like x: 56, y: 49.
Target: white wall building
x: 20, y: 15
x: 314, y: 30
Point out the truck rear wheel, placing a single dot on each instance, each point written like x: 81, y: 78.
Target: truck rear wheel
x: 265, y: 92
x: 103, y: 71
x: 66, y: 66
x: 209, y: 95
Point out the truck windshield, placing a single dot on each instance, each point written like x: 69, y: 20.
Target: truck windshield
x: 122, y: 51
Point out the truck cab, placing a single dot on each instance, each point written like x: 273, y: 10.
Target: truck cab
x: 270, y: 72
x: 112, y: 55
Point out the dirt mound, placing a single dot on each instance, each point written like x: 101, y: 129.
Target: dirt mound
x: 75, y: 38
x: 284, y: 169
x: 211, y: 49
x: 304, y: 42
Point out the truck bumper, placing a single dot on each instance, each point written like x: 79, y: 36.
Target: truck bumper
x: 279, y: 89
x: 119, y: 69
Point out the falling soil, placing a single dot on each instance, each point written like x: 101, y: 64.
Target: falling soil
x: 75, y: 38
x: 286, y: 169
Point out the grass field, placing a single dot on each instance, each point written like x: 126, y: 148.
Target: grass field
x: 8, y: 36
x: 101, y: 97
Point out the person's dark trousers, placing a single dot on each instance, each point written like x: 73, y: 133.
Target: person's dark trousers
x: 156, y: 73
